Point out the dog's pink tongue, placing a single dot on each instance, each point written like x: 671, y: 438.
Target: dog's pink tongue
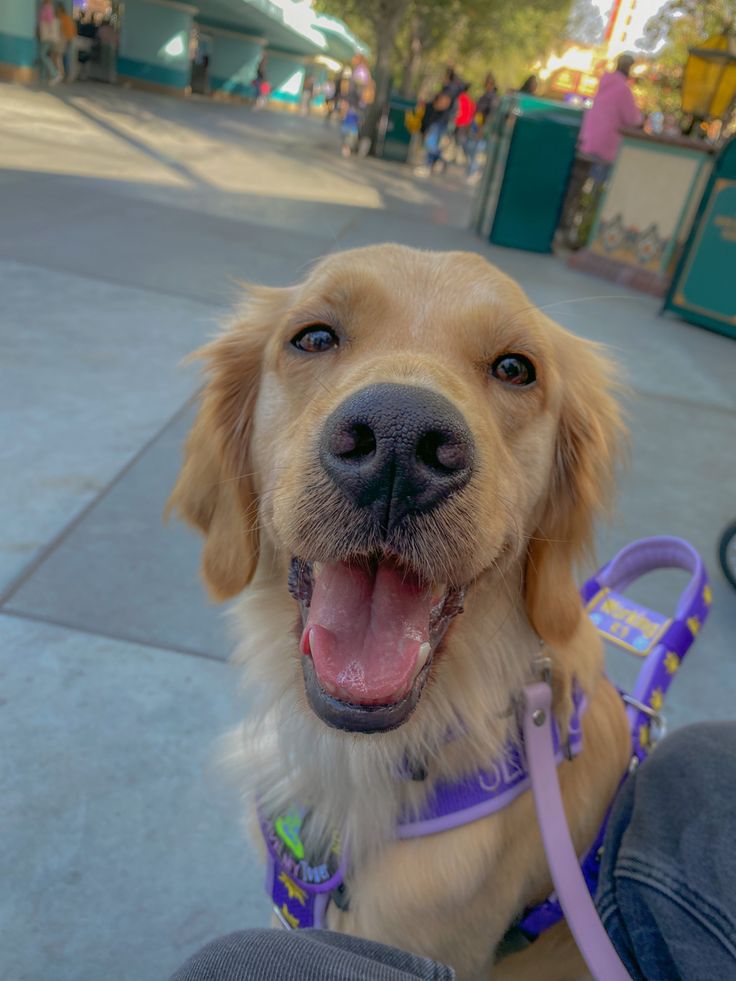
x: 364, y: 632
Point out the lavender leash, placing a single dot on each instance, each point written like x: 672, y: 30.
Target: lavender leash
x: 582, y: 918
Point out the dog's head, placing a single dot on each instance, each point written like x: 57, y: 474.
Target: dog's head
x: 381, y: 437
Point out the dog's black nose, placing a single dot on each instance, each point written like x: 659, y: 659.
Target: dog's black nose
x: 397, y: 449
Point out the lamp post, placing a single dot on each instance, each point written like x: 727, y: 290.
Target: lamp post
x: 709, y: 79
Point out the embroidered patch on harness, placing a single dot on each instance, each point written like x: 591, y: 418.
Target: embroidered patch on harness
x: 283, y: 835
x: 299, y: 881
x: 625, y: 623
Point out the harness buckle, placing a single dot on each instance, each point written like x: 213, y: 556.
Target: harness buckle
x: 658, y: 724
x: 543, y: 665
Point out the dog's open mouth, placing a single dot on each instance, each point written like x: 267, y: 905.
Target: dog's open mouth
x: 369, y: 631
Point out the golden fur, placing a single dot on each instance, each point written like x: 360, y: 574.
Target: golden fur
x: 251, y: 482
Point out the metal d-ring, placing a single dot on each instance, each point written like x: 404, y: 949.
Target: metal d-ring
x: 657, y: 718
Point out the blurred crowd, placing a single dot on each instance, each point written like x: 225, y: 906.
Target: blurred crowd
x: 77, y: 45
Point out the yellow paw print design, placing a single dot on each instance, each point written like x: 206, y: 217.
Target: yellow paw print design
x: 294, y: 891
x: 671, y: 662
x: 707, y: 595
x: 694, y: 625
x: 657, y: 699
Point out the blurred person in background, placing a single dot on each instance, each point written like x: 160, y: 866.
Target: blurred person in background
x: 260, y: 85
x: 305, y: 102
x: 464, y: 120
x: 530, y: 85
x: 437, y: 117
x: 476, y: 144
x: 359, y: 94
x: 613, y: 107
x: 49, y: 37
x: 68, y: 42
x: 107, y: 35
x: 487, y: 102
x: 334, y: 94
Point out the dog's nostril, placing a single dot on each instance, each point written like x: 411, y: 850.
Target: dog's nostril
x: 441, y: 451
x: 354, y: 442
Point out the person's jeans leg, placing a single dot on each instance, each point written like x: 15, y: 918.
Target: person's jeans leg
x: 306, y: 955
x: 44, y: 51
x: 667, y: 893
x: 432, y: 143
x: 475, y: 148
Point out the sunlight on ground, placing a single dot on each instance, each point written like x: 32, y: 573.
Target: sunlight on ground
x: 115, y: 138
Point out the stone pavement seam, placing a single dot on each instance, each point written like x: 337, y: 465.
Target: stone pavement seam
x: 52, y: 545
x: 121, y: 284
x: 8, y: 611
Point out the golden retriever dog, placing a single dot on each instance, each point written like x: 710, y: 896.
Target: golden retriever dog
x: 398, y: 463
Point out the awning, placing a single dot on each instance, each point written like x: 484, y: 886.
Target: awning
x: 289, y: 26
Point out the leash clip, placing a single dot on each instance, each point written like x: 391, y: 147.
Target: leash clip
x: 542, y: 665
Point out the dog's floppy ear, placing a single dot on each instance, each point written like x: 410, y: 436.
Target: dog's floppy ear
x: 590, y: 442
x: 215, y: 490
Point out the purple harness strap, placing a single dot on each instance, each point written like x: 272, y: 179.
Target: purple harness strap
x: 459, y: 802
x: 301, y: 888
x: 663, y: 642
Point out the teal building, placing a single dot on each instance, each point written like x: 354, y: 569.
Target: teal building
x: 159, y: 42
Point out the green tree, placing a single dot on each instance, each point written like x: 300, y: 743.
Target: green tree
x: 415, y: 38
x: 679, y: 24
x: 381, y: 21
x: 586, y: 25
x: 430, y: 33
x: 677, y: 27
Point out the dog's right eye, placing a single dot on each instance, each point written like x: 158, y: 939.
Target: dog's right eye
x: 315, y: 339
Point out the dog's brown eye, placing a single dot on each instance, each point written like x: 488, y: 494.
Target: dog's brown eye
x: 315, y: 339
x: 514, y: 369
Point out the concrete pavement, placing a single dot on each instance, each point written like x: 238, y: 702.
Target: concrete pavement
x: 127, y: 221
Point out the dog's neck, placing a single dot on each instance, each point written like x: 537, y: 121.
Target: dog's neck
x: 354, y: 781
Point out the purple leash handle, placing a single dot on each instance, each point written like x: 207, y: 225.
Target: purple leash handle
x: 593, y: 942
x: 647, y: 555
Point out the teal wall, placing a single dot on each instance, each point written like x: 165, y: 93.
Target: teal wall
x: 18, y: 32
x: 146, y: 30
x: 279, y: 70
x: 233, y: 63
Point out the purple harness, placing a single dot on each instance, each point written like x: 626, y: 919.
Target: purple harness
x: 301, y: 888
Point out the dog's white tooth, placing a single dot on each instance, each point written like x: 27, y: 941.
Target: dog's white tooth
x: 423, y: 654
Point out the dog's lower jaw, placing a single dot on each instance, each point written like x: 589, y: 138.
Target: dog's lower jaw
x: 366, y: 719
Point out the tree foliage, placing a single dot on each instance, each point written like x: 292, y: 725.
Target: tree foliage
x: 585, y: 25
x: 677, y: 27
x: 680, y: 24
x: 476, y: 36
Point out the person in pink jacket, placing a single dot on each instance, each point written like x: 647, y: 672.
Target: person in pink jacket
x: 613, y: 108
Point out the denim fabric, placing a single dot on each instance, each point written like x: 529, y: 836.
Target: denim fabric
x: 432, y: 140
x: 667, y: 893
x: 306, y: 955
x: 475, y: 146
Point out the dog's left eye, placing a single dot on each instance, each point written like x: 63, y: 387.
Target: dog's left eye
x: 514, y: 369
x: 315, y: 339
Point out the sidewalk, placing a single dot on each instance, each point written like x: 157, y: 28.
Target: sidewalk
x: 127, y: 221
